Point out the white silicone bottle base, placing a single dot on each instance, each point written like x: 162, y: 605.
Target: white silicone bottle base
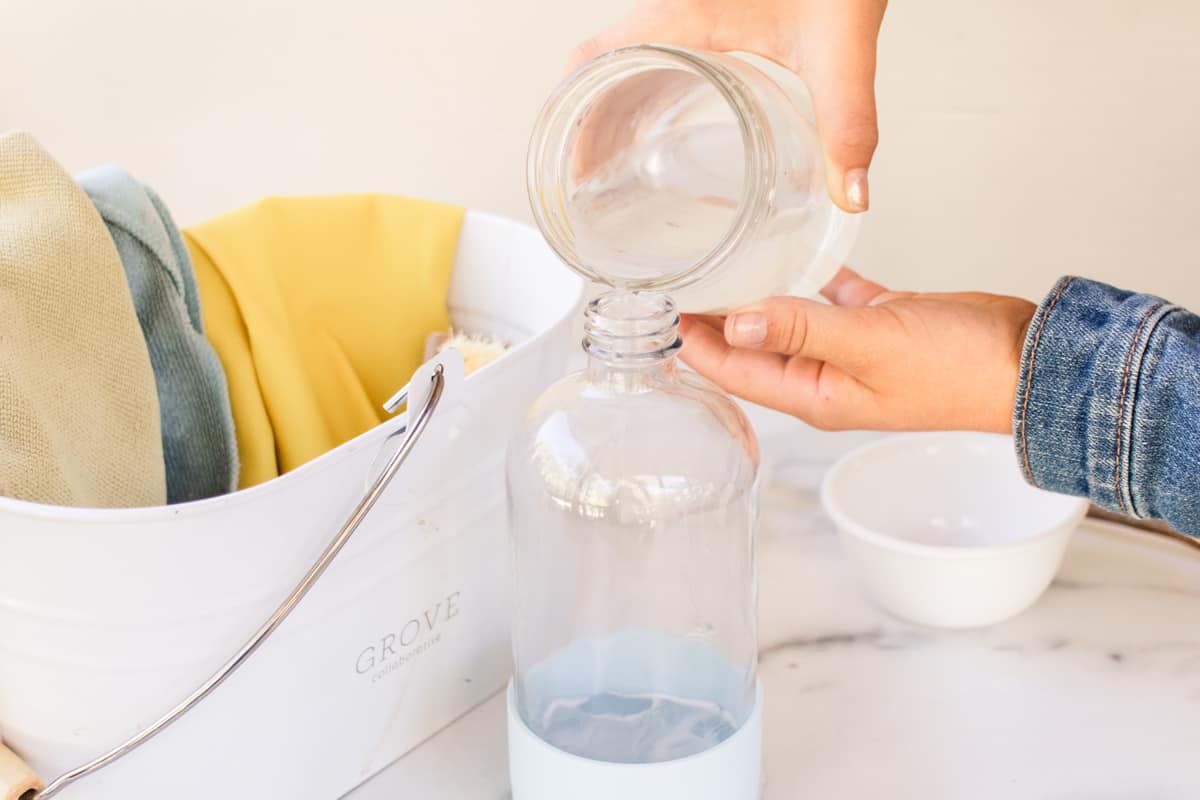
x: 730, y: 771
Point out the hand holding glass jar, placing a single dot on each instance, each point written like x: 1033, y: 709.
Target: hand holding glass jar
x: 829, y: 43
x: 658, y: 168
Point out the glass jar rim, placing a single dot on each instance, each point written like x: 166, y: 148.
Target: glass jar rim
x: 592, y: 78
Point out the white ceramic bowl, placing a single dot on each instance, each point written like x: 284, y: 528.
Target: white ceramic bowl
x: 943, y: 529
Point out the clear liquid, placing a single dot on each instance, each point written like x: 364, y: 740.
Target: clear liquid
x: 634, y: 729
x: 671, y: 199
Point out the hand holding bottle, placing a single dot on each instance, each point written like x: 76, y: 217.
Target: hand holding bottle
x: 873, y: 359
x: 829, y: 43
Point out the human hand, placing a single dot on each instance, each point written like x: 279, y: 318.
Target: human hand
x: 829, y: 43
x: 874, y: 359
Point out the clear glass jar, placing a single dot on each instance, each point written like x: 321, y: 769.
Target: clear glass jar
x: 632, y: 501
x: 664, y: 169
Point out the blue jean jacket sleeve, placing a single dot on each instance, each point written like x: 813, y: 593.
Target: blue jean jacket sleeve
x: 1108, y: 402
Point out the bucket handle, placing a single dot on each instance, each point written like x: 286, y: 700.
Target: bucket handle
x: 415, y: 428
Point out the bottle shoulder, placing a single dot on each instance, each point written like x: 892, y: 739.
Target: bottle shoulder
x: 670, y: 442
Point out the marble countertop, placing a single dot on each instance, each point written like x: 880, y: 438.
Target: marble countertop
x: 1093, y: 694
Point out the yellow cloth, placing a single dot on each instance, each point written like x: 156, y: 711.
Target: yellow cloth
x: 318, y: 308
x: 79, y: 422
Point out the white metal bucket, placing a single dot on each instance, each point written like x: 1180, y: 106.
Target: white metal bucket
x: 110, y: 617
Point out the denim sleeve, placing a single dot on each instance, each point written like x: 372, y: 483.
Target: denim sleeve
x: 1108, y: 402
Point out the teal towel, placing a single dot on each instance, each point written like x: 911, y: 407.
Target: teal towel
x: 199, y: 447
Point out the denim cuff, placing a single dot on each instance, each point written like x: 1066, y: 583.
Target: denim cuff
x: 1081, y: 367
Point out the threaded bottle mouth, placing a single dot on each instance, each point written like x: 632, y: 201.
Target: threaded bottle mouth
x: 631, y: 327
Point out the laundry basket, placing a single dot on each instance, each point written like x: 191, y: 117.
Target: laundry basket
x: 110, y: 617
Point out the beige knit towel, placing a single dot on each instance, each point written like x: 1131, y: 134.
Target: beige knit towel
x: 79, y: 419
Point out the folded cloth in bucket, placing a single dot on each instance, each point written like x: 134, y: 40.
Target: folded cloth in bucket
x: 198, y: 441
x: 317, y: 306
x: 79, y: 420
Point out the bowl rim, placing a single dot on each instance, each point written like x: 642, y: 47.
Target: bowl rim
x: 1075, y: 507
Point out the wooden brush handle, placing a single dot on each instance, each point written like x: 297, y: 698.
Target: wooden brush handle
x: 17, y: 780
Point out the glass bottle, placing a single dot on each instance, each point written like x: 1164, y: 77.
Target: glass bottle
x: 660, y: 168
x: 632, y: 500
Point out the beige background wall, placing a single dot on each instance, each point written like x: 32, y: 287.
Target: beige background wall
x: 1021, y: 138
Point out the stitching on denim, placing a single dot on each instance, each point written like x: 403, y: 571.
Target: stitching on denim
x: 1037, y: 338
x: 1137, y: 336
x: 1165, y: 311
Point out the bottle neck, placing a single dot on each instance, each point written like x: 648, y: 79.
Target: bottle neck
x: 628, y: 334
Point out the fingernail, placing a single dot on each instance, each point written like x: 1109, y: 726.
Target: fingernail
x: 747, y: 329
x: 856, y: 189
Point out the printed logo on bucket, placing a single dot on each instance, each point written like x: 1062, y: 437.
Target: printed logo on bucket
x: 415, y: 636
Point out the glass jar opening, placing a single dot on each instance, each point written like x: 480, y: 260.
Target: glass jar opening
x: 646, y: 167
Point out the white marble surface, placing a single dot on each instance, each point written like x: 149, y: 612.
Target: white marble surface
x: 1094, y: 694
